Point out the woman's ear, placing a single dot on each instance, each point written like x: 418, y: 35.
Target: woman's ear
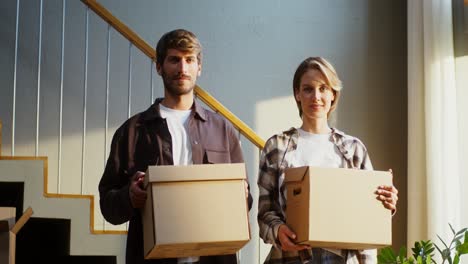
x: 296, y: 95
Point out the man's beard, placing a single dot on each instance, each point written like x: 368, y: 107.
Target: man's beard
x: 172, y: 88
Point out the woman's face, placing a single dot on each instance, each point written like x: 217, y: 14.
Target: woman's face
x: 314, y: 95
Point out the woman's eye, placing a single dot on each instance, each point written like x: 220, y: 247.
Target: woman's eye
x: 323, y: 88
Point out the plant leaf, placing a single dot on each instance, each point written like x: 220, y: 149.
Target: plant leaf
x: 429, y: 260
x: 463, y: 248
x: 456, y: 259
x: 463, y: 230
x: 419, y: 260
x: 446, y: 254
x: 417, y: 248
x: 403, y: 253
x: 438, y: 249
x: 451, y: 228
x: 387, y: 255
x: 441, y: 240
x: 458, y: 237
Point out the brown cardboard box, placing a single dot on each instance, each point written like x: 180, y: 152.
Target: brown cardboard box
x: 195, y: 210
x: 337, y: 208
x: 8, y: 231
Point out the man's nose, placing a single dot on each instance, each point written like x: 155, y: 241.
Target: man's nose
x: 183, y: 66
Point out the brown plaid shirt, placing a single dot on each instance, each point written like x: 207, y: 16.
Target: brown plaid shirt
x: 275, y: 158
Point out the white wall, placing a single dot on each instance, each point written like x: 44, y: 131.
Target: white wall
x: 251, y: 50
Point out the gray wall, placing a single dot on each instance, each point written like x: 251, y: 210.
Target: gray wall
x: 251, y: 49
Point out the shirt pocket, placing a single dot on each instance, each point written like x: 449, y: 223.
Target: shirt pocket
x: 216, y: 156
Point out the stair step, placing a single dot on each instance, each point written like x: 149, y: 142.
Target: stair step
x: 43, y: 237
x: 11, y: 195
x: 68, y: 259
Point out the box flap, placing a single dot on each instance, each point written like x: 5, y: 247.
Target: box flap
x: 23, y: 219
x: 199, y: 172
x: 295, y: 174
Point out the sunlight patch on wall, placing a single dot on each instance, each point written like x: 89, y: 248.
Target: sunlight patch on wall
x: 276, y: 115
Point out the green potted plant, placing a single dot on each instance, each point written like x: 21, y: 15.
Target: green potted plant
x: 423, y: 251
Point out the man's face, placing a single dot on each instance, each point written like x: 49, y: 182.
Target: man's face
x: 179, y: 72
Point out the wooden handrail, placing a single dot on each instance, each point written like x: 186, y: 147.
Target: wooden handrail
x: 23, y: 219
x: 243, y: 128
x: 149, y: 51
x: 121, y: 28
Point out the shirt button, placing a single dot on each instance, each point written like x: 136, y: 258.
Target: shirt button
x: 195, y: 142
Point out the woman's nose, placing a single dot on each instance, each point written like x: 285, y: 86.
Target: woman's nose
x: 315, y: 95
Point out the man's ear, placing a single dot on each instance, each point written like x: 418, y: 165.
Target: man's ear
x: 158, y: 68
x: 199, y: 69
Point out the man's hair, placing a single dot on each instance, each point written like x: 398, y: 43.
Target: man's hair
x: 328, y: 71
x: 180, y: 39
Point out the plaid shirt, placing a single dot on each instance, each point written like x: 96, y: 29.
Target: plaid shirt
x: 275, y: 158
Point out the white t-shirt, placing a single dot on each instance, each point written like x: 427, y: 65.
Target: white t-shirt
x: 177, y: 124
x: 317, y: 150
x: 181, y: 147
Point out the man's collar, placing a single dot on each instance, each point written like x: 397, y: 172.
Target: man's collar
x: 153, y: 111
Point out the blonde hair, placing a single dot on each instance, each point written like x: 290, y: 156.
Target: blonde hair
x: 328, y: 71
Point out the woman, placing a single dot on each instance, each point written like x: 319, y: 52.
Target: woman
x: 316, y: 88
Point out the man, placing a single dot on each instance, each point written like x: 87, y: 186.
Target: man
x: 175, y: 130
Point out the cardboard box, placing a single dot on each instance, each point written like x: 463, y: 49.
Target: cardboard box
x: 8, y: 231
x: 337, y: 208
x: 196, y: 210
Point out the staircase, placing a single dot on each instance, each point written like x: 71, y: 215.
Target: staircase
x: 46, y: 237
x: 60, y: 162
x: 47, y: 240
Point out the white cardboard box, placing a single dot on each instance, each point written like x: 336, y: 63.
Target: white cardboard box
x: 195, y: 210
x: 337, y: 208
x: 8, y: 231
